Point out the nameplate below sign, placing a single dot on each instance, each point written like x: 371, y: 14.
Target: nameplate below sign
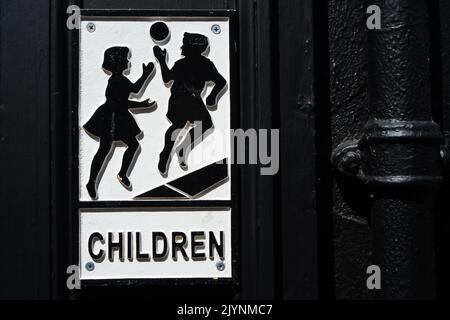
x: 147, y: 244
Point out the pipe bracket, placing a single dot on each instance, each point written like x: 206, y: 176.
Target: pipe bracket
x: 357, y: 158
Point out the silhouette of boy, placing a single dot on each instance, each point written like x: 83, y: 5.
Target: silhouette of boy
x: 189, y: 75
x: 112, y: 121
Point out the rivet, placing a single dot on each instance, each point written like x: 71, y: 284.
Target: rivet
x: 90, y: 266
x: 220, y: 266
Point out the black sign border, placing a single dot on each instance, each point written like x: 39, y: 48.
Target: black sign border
x: 73, y: 145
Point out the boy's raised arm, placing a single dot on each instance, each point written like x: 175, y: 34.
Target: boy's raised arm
x: 160, y: 55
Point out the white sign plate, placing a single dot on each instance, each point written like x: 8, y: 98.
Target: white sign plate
x: 145, y: 234
x: 152, y: 122
x: 108, y: 129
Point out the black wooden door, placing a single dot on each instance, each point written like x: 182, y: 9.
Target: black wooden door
x: 278, y: 236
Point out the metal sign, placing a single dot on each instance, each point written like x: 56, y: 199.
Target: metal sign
x: 151, y: 122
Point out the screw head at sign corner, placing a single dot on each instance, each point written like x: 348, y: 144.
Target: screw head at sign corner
x: 220, y: 266
x: 216, y: 29
x: 90, y: 266
x: 91, y: 27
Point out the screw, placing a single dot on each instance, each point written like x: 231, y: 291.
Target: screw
x: 91, y: 27
x: 90, y: 266
x: 220, y: 266
x: 216, y: 29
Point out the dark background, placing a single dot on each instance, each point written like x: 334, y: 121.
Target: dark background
x: 304, y: 69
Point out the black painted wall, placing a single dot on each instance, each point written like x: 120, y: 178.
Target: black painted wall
x: 349, y: 106
x: 304, y: 69
x: 25, y: 250
x: 441, y: 94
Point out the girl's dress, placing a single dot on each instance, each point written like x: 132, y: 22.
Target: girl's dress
x: 112, y: 121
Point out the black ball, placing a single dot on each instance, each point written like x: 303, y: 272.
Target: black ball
x: 159, y: 32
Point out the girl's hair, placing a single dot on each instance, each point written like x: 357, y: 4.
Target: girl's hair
x: 114, y: 58
x: 196, y: 42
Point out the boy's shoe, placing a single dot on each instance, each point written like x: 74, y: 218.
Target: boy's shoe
x: 163, y: 164
x: 182, y: 159
x: 123, y: 179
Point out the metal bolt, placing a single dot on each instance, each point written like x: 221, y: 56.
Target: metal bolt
x: 91, y: 27
x: 216, y: 29
x: 220, y: 266
x: 351, y: 162
x: 90, y: 266
x: 347, y: 158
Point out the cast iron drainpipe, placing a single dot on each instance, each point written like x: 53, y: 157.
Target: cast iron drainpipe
x: 398, y: 157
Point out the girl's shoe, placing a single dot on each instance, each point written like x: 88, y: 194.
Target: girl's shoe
x: 91, y: 189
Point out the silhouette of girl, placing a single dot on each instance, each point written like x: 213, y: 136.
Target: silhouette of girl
x: 112, y: 121
x: 189, y: 75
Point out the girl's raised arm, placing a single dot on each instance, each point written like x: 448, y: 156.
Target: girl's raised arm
x: 141, y: 104
x: 146, y: 72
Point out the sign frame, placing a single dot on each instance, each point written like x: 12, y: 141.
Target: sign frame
x: 75, y: 205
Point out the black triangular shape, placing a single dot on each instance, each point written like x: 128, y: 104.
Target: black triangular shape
x: 162, y: 192
x: 198, y: 182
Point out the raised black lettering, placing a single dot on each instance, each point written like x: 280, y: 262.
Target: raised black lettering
x: 197, y: 244
x: 179, y: 245
x: 161, y: 237
x: 96, y: 236
x: 213, y: 244
x: 130, y: 246
x: 140, y: 256
x: 115, y: 246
